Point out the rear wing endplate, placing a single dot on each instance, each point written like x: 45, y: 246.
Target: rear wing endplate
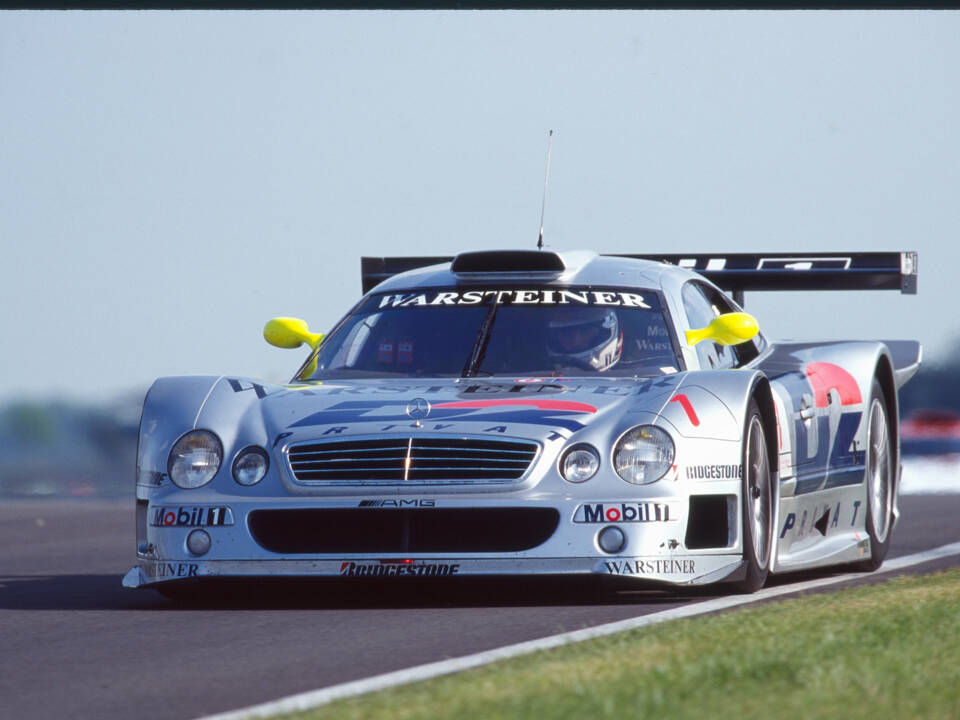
x: 739, y: 272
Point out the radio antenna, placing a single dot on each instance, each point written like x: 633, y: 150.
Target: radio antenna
x: 546, y: 177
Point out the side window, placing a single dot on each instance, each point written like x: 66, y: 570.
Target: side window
x: 700, y: 312
x: 744, y: 352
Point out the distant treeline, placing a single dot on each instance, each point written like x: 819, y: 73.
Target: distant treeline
x: 59, y: 449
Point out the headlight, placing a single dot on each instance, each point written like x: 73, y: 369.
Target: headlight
x: 250, y: 465
x: 195, y: 459
x: 579, y: 463
x: 643, y: 454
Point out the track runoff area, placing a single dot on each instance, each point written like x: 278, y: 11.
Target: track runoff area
x: 315, y: 698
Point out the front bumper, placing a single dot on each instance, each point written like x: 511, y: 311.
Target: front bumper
x: 654, y: 529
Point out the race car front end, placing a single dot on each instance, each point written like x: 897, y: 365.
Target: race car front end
x: 638, y: 479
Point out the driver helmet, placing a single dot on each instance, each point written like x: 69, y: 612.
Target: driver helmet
x: 589, y: 338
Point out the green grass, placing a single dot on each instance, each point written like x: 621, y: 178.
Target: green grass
x: 883, y: 651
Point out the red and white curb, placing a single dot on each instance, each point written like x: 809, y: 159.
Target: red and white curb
x: 315, y: 698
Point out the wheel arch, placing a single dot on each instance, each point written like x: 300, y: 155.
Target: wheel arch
x: 885, y: 376
x: 762, y: 394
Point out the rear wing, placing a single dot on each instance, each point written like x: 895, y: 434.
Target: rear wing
x: 739, y: 272
x: 374, y: 270
x: 733, y: 272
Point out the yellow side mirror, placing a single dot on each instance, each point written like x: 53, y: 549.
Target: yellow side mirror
x: 727, y: 329
x: 285, y: 332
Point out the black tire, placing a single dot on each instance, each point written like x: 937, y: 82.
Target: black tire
x: 757, y: 498
x: 878, y: 480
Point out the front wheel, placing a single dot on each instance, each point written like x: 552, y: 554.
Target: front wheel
x: 756, y: 503
x: 879, y: 481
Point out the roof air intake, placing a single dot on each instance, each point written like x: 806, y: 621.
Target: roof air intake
x: 501, y: 261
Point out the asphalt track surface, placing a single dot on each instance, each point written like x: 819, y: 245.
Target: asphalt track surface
x: 75, y: 644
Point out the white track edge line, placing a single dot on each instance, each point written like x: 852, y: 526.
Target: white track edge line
x: 315, y: 698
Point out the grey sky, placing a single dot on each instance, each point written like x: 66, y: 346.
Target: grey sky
x: 170, y: 180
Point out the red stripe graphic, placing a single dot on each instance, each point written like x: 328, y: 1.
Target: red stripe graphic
x: 825, y: 377
x: 540, y: 403
x: 687, y: 408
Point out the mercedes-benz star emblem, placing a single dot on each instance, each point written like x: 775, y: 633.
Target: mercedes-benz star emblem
x: 418, y: 409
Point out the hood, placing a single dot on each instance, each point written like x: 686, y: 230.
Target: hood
x: 535, y: 409
x: 531, y: 410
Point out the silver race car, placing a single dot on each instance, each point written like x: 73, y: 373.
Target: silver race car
x: 535, y: 412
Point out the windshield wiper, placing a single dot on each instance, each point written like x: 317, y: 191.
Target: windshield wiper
x: 480, y: 345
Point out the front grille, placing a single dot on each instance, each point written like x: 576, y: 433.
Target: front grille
x: 375, y: 530
x: 421, y: 459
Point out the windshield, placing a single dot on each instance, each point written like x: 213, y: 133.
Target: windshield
x: 464, y: 332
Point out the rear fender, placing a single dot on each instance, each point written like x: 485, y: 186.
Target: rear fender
x: 906, y: 357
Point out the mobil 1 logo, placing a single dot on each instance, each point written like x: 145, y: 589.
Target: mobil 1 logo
x: 627, y: 512
x: 191, y: 516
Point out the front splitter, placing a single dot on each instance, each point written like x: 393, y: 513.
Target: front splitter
x: 673, y: 569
